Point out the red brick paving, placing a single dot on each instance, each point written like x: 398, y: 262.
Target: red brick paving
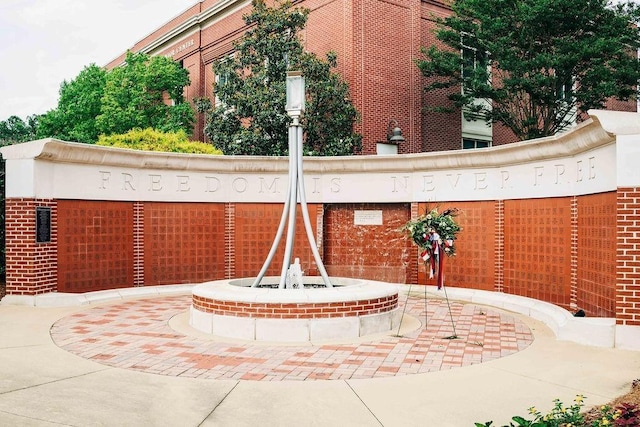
x: 114, y: 335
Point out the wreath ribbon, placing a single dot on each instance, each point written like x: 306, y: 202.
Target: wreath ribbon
x: 434, y: 256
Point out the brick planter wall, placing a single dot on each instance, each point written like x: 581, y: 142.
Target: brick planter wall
x: 317, y: 310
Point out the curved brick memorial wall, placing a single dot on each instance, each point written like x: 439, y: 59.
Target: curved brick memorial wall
x: 554, y: 219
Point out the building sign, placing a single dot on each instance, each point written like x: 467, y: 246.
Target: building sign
x: 179, y: 48
x: 367, y: 217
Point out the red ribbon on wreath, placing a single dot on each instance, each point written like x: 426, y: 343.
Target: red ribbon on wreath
x: 434, y: 254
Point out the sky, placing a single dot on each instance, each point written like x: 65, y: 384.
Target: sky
x: 44, y: 42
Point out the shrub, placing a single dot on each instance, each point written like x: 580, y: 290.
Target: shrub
x: 624, y: 414
x: 152, y: 140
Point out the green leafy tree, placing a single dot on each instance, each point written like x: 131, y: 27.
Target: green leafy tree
x: 14, y: 130
x: 534, y: 65
x: 79, y: 105
x: 251, y: 89
x: 145, y: 92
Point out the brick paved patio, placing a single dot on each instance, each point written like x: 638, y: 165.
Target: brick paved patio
x: 136, y: 334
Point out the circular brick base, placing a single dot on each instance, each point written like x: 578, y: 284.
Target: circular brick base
x: 351, y: 309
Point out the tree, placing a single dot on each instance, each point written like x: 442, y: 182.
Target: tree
x: 79, y: 105
x: 14, y: 130
x: 534, y: 65
x: 138, y: 94
x: 249, y: 115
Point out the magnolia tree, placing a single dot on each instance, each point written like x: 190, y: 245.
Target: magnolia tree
x: 534, y: 65
x: 249, y: 116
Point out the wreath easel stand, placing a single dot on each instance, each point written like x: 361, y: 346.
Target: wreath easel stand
x: 426, y: 232
x: 440, y: 280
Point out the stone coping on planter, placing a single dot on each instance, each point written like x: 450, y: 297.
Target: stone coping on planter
x: 591, y: 331
x: 344, y: 289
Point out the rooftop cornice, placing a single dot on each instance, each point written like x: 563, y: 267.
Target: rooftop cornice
x: 193, y: 23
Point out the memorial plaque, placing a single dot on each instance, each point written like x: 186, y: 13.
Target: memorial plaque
x: 43, y: 224
x: 367, y: 217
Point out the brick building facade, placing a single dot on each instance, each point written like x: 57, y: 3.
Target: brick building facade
x: 376, y: 43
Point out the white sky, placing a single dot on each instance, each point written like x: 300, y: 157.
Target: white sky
x: 44, y: 42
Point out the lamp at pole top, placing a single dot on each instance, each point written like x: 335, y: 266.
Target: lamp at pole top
x: 295, y: 93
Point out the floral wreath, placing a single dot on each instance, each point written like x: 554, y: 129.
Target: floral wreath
x: 434, y: 233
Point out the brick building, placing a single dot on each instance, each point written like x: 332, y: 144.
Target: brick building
x: 376, y: 43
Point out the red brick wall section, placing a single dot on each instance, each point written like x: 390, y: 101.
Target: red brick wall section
x: 440, y: 131
x: 596, y: 254
x: 557, y: 250
x: 184, y: 243
x: 386, y: 57
x: 30, y: 266
x: 537, y: 261
x: 316, y: 310
x: 628, y: 257
x: 255, y: 229
x: 95, y: 245
x: 377, y: 252
x: 327, y: 29
x: 473, y: 266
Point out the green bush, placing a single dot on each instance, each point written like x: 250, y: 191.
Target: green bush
x: 152, y: 140
x: 560, y: 416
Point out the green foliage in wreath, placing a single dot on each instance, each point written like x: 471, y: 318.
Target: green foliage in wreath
x: 444, y: 224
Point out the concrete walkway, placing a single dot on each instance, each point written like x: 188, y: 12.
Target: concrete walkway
x: 42, y: 384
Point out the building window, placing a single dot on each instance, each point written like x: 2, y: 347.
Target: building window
x: 566, y: 109
x: 564, y: 88
x: 470, y: 143
x: 476, y: 132
x: 221, y: 79
x: 473, y: 59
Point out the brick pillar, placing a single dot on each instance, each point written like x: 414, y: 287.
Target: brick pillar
x: 573, y: 297
x: 499, y: 248
x: 414, y: 262
x: 229, y: 239
x: 31, y: 267
x: 138, y: 244
x: 628, y: 257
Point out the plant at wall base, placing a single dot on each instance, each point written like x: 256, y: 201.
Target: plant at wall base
x: 623, y: 414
